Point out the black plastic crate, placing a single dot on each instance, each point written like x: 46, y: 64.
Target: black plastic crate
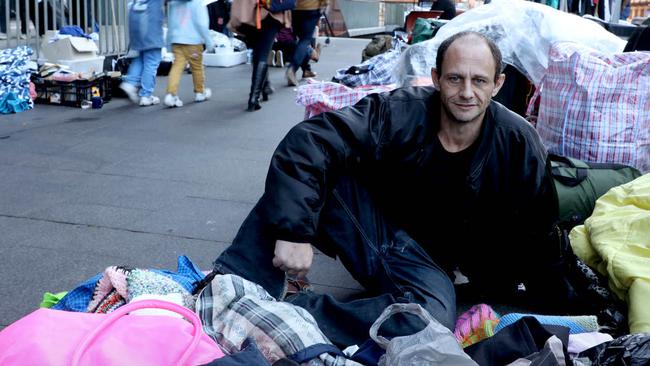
x: 71, y: 93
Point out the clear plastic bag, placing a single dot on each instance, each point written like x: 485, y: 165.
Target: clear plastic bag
x: 523, y: 30
x: 433, y: 345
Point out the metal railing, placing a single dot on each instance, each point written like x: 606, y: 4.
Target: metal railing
x: 27, y: 22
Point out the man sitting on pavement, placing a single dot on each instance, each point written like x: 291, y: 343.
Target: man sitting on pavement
x: 405, y: 188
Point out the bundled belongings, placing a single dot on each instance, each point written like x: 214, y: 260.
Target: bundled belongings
x: 96, y: 290
x: 580, y: 184
x: 233, y: 310
x: 378, y: 45
x: 631, y: 349
x: 79, y: 52
x: 614, y: 241
x: 524, y: 32
x: 378, y: 70
x: 14, y: 80
x: 596, y: 107
x: 319, y: 97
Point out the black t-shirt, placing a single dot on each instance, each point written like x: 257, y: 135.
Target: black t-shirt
x: 449, y: 180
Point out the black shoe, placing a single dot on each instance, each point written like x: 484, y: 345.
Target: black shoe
x: 257, y: 85
x: 267, y: 90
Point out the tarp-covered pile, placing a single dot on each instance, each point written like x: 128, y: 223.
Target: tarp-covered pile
x: 523, y: 30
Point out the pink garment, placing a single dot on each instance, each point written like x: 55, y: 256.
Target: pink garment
x: 318, y: 97
x: 476, y: 324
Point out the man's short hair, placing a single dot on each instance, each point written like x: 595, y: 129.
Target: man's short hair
x: 496, y: 53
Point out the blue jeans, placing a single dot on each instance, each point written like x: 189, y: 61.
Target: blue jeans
x: 387, y: 263
x: 303, y: 23
x: 142, y: 71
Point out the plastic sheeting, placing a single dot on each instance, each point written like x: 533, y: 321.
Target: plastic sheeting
x: 523, y: 30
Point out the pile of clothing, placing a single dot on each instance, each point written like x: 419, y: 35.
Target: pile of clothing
x: 14, y: 80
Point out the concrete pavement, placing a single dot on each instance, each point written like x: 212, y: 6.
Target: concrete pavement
x: 86, y: 189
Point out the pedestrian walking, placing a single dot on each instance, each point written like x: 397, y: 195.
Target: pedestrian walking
x: 244, y: 19
x: 304, y: 20
x: 188, y: 31
x: 146, y: 41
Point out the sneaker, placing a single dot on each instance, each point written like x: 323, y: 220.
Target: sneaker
x: 315, y: 53
x: 3, y: 36
x: 308, y: 74
x: 202, y: 97
x: 147, y: 101
x: 131, y: 91
x: 271, y: 59
x: 172, y: 101
x: 279, y: 59
x: 291, y: 77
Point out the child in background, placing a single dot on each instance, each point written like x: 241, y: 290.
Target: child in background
x: 146, y: 41
x: 188, y: 31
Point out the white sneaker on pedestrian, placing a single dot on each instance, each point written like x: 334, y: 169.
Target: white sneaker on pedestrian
x: 130, y: 90
x: 147, y: 101
x: 291, y: 77
x: 173, y: 101
x: 202, y: 97
x: 271, y: 59
x: 279, y: 59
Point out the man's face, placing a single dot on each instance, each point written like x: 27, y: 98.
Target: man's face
x: 467, y: 81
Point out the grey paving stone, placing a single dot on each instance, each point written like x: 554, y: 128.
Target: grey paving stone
x: 86, y: 189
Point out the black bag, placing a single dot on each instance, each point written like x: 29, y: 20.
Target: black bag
x: 580, y: 184
x: 219, y: 13
x: 276, y: 6
x: 639, y: 40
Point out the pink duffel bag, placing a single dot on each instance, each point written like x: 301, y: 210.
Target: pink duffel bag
x: 55, y: 337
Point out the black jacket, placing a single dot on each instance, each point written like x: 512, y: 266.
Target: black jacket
x: 385, y: 141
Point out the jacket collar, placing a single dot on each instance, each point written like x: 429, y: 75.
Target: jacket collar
x: 486, y: 138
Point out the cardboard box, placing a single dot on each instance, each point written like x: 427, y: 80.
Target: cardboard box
x: 224, y: 58
x: 86, y: 65
x: 72, y: 48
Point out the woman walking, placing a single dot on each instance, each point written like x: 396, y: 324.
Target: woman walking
x: 243, y: 19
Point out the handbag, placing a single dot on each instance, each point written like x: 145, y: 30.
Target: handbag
x: 276, y: 6
x: 55, y: 337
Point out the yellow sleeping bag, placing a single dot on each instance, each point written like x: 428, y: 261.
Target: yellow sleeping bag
x: 615, y: 241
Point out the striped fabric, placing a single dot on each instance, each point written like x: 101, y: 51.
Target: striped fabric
x: 381, y: 70
x: 319, y: 97
x: 476, y: 324
x: 232, y: 309
x: 576, y: 323
x: 596, y: 107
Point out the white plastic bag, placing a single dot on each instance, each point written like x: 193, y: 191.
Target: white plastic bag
x: 433, y: 345
x: 524, y: 32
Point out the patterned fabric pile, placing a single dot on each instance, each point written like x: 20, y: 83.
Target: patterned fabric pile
x: 14, y: 80
x: 319, y: 97
x: 378, y: 70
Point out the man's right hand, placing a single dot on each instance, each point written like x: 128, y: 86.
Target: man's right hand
x: 293, y: 258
